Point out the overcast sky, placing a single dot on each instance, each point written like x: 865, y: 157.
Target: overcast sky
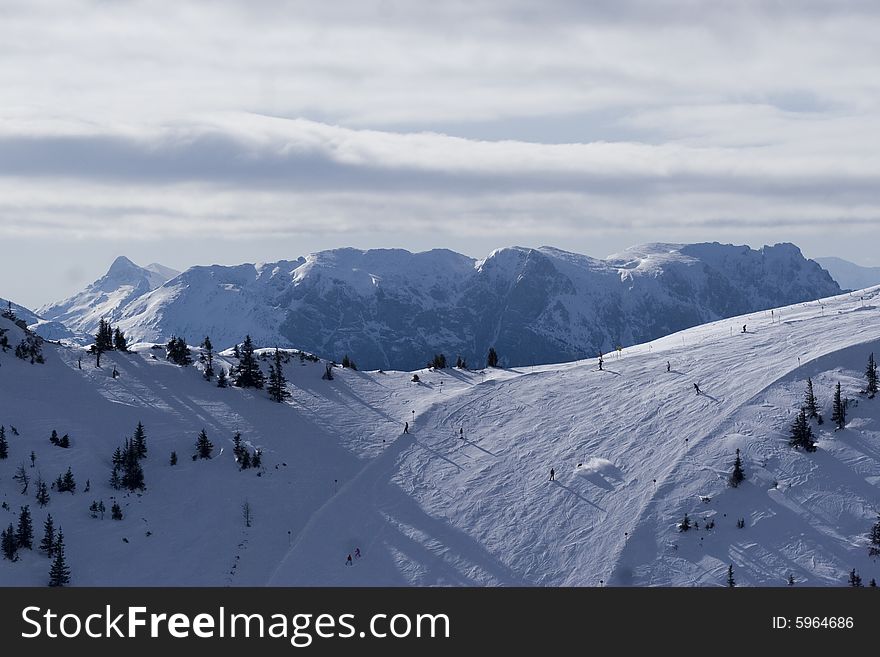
x: 232, y: 131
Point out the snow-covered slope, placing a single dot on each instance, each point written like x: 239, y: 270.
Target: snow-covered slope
x: 123, y: 282
x: 50, y: 330
x: 389, y: 308
x: 849, y: 275
x: 464, y: 497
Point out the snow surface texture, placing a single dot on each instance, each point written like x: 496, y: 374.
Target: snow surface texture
x: 393, y: 309
x: 464, y: 497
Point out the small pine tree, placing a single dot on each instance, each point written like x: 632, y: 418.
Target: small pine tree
x: 247, y: 513
x: 204, y: 447
x: 222, y: 381
x: 245, y: 460
x: 139, y: 441
x: 810, y: 403
x: 59, y: 573
x: 42, y: 494
x: 257, y: 459
x: 68, y: 484
x: 854, y: 578
x: 116, y: 511
x: 178, y: 352
x: 115, y: 480
x: 277, y: 383
x: 47, y: 545
x: 8, y: 543
x: 93, y: 509
x: 346, y: 362
x: 791, y: 579
x: 685, y: 524
x: 54, y: 438
x: 873, y: 583
x: 209, y: 358
x: 173, y: 459
x: 802, y: 433
x: 871, y: 376
x: 119, y: 341
x: 738, y: 475
x: 248, y: 373
x: 874, y: 538
x: 24, y: 534
x: 132, y: 472
x: 730, y: 581
x: 492, y: 358
x: 64, y: 441
x: 4, y: 444
x: 838, y: 415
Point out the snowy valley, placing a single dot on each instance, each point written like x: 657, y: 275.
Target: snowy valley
x: 463, y: 497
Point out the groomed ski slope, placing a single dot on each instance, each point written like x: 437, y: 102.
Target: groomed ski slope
x: 431, y: 508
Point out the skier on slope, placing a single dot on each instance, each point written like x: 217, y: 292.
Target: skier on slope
x: 744, y: 328
x: 357, y: 553
x: 552, y: 474
x: 348, y: 561
x: 668, y: 366
x: 461, y: 433
x: 697, y: 388
x: 406, y: 427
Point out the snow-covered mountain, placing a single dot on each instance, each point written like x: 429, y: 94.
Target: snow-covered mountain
x: 464, y: 497
x: 394, y: 309
x: 47, y: 329
x: 849, y: 275
x: 106, y: 297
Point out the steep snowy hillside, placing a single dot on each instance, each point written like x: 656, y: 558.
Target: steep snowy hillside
x: 50, y: 330
x: 464, y: 497
x: 105, y: 298
x: 850, y: 275
x: 390, y: 308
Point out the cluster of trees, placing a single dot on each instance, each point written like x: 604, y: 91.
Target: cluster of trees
x: 108, y: 338
x: 178, y: 352
x: 65, y: 483
x: 98, y: 508
x: 127, y: 471
x: 4, y: 444
x: 348, y: 363
x: 492, y: 358
x: 21, y: 537
x: 438, y: 362
x: 30, y: 348
x: 243, y: 456
x: 63, y: 441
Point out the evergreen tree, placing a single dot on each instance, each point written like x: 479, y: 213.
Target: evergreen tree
x: 439, y: 362
x: 854, y: 578
x: 4, y: 444
x: 685, y: 524
x: 117, y: 458
x: 791, y: 579
x: 173, y: 459
x: 116, y: 511
x: 132, y: 472
x: 8, y: 544
x: 838, y: 415
x: 738, y: 475
x: 222, y: 381
x: 24, y: 534
x: 54, y: 438
x: 871, y: 376
x: 802, y: 433
x: 277, y: 383
x: 115, y: 480
x: 178, y: 352
x: 346, y: 362
x: 873, y: 583
x: 64, y: 441
x: 730, y: 581
x: 810, y: 404
x: 245, y: 460
x: 204, y: 447
x: 42, y: 494
x: 119, y: 341
x: 68, y: 484
x: 209, y: 358
x: 93, y: 509
x: 238, y: 448
x: 47, y: 545
x: 248, y: 373
x: 257, y: 459
x: 874, y: 537
x: 492, y: 358
x: 59, y: 573
x: 139, y: 441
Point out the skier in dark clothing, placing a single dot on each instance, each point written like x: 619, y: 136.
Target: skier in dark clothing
x: 600, y: 361
x: 744, y: 328
x: 697, y: 388
x: 668, y: 366
x: 348, y: 561
x: 357, y: 553
x: 406, y: 427
x: 552, y: 474
x: 461, y: 433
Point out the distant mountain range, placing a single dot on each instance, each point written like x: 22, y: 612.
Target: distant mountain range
x: 392, y: 309
x: 849, y: 275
